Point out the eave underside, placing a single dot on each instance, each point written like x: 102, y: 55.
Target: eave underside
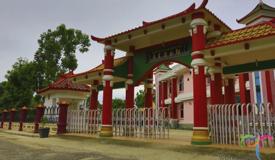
x: 247, y: 56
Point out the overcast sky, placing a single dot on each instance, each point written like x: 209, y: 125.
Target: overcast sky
x: 22, y: 21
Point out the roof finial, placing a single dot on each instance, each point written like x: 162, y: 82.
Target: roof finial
x: 261, y: 2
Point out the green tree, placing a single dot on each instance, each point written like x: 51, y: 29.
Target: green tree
x: 139, y: 100
x: 55, y: 56
x: 118, y: 103
x: 19, y: 88
x: 56, y: 52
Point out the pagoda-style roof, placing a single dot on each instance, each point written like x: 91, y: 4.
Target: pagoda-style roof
x: 64, y: 83
x: 261, y: 10
x: 167, y: 29
x: 257, y: 31
x: 95, y: 73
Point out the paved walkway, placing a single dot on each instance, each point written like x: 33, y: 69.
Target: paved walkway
x: 18, y: 147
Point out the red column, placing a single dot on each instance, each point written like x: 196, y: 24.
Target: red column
x: 268, y: 86
x: 173, y: 96
x: 38, y: 115
x: 130, y: 88
x: 198, y: 31
x: 244, y: 94
x: 148, y: 91
x: 12, y: 114
x: 94, y: 95
x: 160, y: 94
x: 229, y: 90
x: 62, y: 119
x: 4, y: 118
x: 23, y: 116
x: 106, y: 128
x: 216, y: 83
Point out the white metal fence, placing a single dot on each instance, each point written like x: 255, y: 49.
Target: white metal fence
x: 52, y: 114
x: 143, y: 123
x: 83, y: 121
x: 229, y: 122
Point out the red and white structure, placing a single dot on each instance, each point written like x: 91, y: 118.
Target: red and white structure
x: 64, y: 89
x: 199, y: 40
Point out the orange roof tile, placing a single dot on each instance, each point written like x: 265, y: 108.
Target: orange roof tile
x: 63, y: 83
x: 248, y: 33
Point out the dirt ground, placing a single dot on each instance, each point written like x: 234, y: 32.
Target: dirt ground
x: 16, y: 147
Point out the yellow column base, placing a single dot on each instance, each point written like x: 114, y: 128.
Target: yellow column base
x: 200, y: 136
x: 106, y: 131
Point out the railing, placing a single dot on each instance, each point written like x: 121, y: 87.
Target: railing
x: 228, y: 123
x: 52, y: 114
x: 83, y: 121
x: 143, y: 123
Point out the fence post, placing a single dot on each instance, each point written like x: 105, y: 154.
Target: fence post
x: 38, y: 115
x: 23, y: 116
x: 12, y: 114
x: 4, y: 117
x: 62, y: 118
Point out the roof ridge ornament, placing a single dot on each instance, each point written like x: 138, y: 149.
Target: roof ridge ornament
x: 203, y: 4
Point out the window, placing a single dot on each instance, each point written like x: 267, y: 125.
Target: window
x: 181, y: 111
x: 181, y: 83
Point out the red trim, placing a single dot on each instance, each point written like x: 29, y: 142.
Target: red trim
x: 97, y: 39
x: 203, y: 5
x: 63, y: 89
x: 197, y: 56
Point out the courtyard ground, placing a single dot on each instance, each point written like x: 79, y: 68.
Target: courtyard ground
x: 18, y: 147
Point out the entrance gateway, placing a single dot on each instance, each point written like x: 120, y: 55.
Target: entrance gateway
x: 195, y: 38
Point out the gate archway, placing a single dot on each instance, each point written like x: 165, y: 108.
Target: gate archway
x: 194, y: 37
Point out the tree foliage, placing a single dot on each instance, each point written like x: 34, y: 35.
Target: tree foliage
x: 19, y: 88
x: 118, y: 103
x: 55, y: 56
x: 56, y: 52
x: 139, y: 100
